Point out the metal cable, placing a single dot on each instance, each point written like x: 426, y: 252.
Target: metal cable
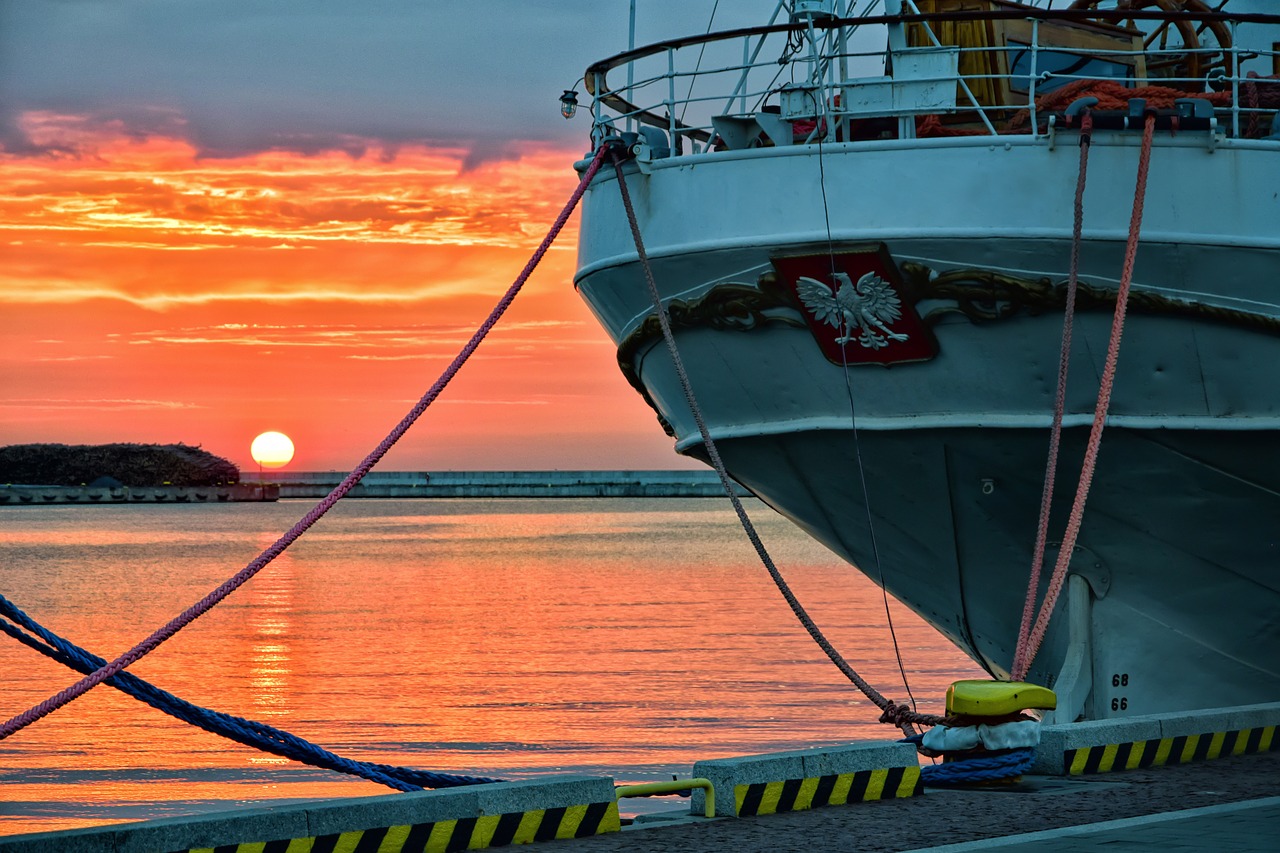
x: 857, y: 442
x: 698, y: 66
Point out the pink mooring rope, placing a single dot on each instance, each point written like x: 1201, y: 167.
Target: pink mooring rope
x: 1060, y: 400
x: 202, y: 606
x: 1027, y: 652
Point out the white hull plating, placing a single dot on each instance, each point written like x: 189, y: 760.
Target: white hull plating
x: 1180, y: 545
x: 1208, y: 235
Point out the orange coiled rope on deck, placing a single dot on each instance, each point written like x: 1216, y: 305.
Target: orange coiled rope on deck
x: 1261, y: 93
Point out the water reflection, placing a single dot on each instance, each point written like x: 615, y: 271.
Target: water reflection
x: 500, y: 638
x: 270, y: 602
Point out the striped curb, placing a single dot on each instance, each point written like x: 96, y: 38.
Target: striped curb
x: 809, y: 778
x: 477, y: 833
x: 1134, y: 755
x: 793, y: 795
x: 472, y: 817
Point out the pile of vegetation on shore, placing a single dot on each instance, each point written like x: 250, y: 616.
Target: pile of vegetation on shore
x: 133, y: 465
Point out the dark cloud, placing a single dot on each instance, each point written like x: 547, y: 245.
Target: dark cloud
x: 240, y: 76
x: 484, y: 151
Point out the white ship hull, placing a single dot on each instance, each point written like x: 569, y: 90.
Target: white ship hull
x: 1183, y: 522
x: 1175, y: 594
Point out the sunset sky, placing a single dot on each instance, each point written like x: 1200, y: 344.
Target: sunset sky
x: 221, y: 217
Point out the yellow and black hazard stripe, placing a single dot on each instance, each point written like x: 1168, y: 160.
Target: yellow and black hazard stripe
x: 445, y: 836
x: 1171, y: 750
x: 793, y: 795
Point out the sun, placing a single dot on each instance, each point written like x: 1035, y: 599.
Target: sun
x: 272, y: 450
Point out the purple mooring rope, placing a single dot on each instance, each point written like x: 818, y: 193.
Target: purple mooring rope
x: 202, y: 606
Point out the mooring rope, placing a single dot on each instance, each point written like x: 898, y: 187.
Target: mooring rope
x: 248, y: 732
x: 981, y: 768
x: 1027, y: 651
x: 189, y: 615
x: 1060, y: 398
x: 974, y: 769
x: 894, y: 713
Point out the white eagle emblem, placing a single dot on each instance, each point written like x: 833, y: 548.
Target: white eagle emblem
x: 861, y: 312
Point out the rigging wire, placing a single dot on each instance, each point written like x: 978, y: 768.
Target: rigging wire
x: 853, y: 424
x: 900, y: 715
x: 698, y: 65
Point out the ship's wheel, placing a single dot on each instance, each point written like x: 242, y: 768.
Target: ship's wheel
x: 1183, y: 41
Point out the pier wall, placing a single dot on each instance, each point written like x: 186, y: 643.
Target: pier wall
x: 469, y: 818
x: 1177, y: 737
x: 89, y: 496
x: 506, y: 484
x: 394, y: 484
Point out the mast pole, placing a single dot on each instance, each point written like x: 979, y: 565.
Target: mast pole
x: 631, y: 66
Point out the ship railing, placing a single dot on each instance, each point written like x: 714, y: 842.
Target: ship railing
x: 876, y: 76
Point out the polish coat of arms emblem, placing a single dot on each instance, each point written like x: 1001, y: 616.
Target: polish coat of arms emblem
x: 852, y: 302
x: 866, y: 307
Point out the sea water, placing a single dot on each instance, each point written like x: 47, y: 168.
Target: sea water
x: 507, y: 638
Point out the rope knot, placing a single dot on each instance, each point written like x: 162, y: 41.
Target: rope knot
x: 897, y: 715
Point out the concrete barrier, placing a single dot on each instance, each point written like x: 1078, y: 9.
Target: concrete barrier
x: 805, y: 779
x: 470, y: 818
x: 1128, y: 743
x: 507, y: 484
x: 89, y: 496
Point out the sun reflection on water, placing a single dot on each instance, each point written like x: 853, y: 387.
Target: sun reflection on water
x: 271, y: 601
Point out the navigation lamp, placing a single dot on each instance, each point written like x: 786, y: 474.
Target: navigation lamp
x: 568, y: 103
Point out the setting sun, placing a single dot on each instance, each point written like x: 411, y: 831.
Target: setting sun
x: 272, y: 450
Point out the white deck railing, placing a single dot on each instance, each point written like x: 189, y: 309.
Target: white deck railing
x: 874, y: 76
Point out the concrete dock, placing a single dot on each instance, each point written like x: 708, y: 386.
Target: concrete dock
x: 18, y: 496
x: 1197, y: 780
x: 1228, y: 804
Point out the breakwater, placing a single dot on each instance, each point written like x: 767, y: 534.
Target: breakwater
x: 11, y: 495
x: 506, y: 484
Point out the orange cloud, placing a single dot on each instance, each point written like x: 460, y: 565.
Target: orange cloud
x: 150, y: 295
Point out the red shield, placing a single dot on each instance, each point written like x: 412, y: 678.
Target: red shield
x: 855, y: 307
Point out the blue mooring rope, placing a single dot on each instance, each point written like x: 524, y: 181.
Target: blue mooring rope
x: 248, y: 732
x: 986, y: 768
x: 989, y: 768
